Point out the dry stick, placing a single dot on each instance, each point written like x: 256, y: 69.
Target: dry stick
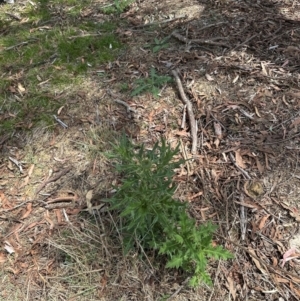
x: 121, y: 102
x: 190, y: 112
x: 211, y: 25
x: 161, y: 22
x: 200, y: 41
x: 54, y: 178
x: 245, y: 42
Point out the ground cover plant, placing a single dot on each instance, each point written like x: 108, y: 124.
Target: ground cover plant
x: 39, y: 60
x: 152, y: 218
x: 151, y: 84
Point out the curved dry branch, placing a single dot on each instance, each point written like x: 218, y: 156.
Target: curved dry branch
x: 190, y: 112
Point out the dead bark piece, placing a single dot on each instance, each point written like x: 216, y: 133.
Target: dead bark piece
x: 190, y: 112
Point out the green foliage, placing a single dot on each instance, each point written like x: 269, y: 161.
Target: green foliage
x: 145, y: 196
x: 48, y: 59
x: 150, y: 84
x: 150, y: 215
x: 83, y: 51
x: 159, y: 44
x: 189, y: 247
x: 117, y: 7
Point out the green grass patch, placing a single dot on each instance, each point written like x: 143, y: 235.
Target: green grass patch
x: 47, y: 49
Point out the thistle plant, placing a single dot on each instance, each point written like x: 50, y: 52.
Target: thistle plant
x: 150, y: 84
x: 150, y: 215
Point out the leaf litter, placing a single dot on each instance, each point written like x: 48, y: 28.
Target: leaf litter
x: 238, y: 64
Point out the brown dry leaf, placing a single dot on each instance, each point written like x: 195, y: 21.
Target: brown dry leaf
x: 150, y: 117
x: 217, y: 143
x: 5, y: 203
x: 231, y: 287
x: 239, y: 159
x: 257, y: 262
x: 235, y: 79
x: 30, y: 170
x: 296, y: 291
x: 88, y: 199
x: 9, y: 248
x: 256, y: 111
x: 218, y: 130
x: 28, y: 211
x: 59, y: 110
x: 281, y: 280
x: 259, y: 166
x: 209, y: 77
x: 274, y: 261
x: 103, y: 281
x: 21, y: 88
x: 47, y: 218
x: 182, y: 133
x: 29, y: 173
x: 195, y: 195
x: 264, y: 70
x: 3, y: 257
x: 58, y: 215
x: 293, y: 212
x: 74, y: 211
x: 263, y: 221
x: 295, y: 122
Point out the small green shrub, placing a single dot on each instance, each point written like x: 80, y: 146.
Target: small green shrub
x: 150, y: 215
x: 151, y: 83
x: 117, y: 7
x: 159, y: 44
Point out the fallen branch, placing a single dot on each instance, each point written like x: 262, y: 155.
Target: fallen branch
x: 189, y: 109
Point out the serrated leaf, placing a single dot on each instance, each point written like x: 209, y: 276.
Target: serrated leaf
x: 175, y: 262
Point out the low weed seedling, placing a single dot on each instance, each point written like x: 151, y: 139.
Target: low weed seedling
x: 150, y: 215
x: 150, y: 84
x: 117, y: 7
x: 159, y: 44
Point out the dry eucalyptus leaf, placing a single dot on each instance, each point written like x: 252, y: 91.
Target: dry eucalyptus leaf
x: 88, y: 199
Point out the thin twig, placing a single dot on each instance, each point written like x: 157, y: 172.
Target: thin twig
x: 54, y: 178
x: 161, y: 22
x: 243, y: 221
x: 211, y: 25
x: 85, y: 35
x: 183, y: 117
x: 20, y: 44
x: 245, y: 42
x: 199, y: 41
x: 121, y: 102
x: 190, y: 112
